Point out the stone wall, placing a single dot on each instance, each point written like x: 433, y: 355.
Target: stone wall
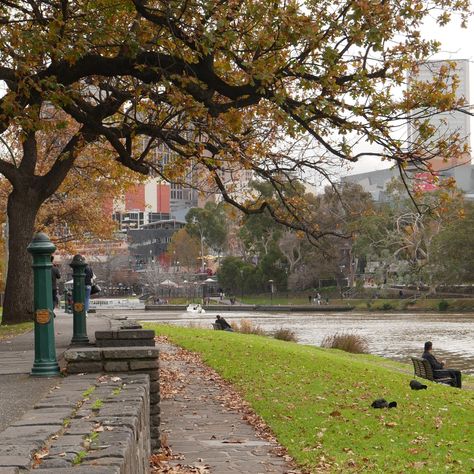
x: 134, y: 359
x: 89, y: 425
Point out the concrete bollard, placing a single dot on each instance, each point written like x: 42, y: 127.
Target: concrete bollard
x: 45, y: 364
x: 79, y: 335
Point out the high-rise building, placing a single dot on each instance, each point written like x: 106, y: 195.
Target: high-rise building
x: 445, y: 123
x: 450, y: 122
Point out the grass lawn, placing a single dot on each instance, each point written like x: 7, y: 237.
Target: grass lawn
x: 14, y: 329
x: 317, y: 402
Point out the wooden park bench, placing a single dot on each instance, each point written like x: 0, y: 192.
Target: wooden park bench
x: 217, y: 327
x: 424, y: 370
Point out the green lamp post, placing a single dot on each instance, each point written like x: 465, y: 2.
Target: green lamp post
x: 79, y: 332
x: 45, y: 364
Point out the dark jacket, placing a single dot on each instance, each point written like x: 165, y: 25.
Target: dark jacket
x: 223, y: 323
x: 435, y: 365
x: 89, y: 275
x: 55, y: 276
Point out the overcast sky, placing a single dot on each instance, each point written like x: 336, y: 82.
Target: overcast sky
x: 457, y: 43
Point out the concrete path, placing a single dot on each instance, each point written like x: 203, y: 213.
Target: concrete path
x: 198, y: 422
x: 200, y: 428
x: 18, y: 390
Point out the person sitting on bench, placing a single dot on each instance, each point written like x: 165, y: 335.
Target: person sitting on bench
x: 223, y: 324
x: 439, y: 370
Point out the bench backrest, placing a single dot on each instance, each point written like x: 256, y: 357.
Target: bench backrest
x: 217, y: 327
x: 422, y: 368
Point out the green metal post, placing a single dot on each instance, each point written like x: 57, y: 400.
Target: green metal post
x: 79, y: 333
x: 45, y: 364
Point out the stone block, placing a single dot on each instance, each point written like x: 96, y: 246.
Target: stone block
x: 130, y: 353
x: 136, y: 334
x: 55, y: 463
x: 155, y: 444
x: 155, y: 432
x: 144, y: 364
x: 154, y: 408
x: 80, y: 367
x: 154, y: 386
x: 154, y: 398
x: 81, y: 470
x: 116, y: 366
x: 123, y: 421
x: 79, y: 427
x: 85, y: 353
x: 125, y: 343
x: 14, y: 461
x: 115, y: 451
x: 36, y: 434
x: 9, y: 470
x: 153, y: 374
x: 100, y: 335
x: 155, y: 419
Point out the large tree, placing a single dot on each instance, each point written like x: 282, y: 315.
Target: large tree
x: 403, y: 234
x: 226, y: 85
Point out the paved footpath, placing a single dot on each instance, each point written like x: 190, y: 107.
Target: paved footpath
x: 18, y: 390
x: 200, y: 428
x: 197, y: 423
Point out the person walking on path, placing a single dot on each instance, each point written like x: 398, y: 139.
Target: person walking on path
x: 439, y: 370
x: 55, y: 276
x: 88, y: 283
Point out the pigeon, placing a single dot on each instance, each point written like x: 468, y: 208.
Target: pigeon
x: 382, y: 403
x: 415, y: 385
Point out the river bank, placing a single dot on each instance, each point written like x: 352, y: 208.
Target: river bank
x: 317, y: 402
x: 298, y: 304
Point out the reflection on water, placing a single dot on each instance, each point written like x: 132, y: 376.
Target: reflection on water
x: 396, y: 336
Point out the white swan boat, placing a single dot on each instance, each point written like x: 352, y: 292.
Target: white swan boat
x: 195, y: 308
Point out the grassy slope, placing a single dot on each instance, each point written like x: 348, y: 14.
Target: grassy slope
x: 317, y: 402
x: 14, y: 329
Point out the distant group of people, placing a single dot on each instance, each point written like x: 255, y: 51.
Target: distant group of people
x: 317, y: 299
x: 56, y: 275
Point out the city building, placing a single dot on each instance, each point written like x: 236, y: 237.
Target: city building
x: 446, y: 123
x: 149, y: 243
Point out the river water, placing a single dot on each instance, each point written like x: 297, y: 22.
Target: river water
x: 393, y: 335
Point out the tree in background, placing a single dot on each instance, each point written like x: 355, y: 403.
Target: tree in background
x: 225, y: 85
x: 452, y: 253
x: 184, y: 248
x: 209, y: 224
x: 331, y: 257
x: 401, y: 234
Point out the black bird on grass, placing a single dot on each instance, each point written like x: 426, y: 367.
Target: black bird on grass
x: 415, y: 385
x: 382, y: 403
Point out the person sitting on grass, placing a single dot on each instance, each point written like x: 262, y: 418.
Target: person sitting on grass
x: 439, y: 370
x: 223, y: 324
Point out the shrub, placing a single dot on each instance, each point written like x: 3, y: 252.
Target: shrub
x: 247, y: 327
x: 387, y: 306
x: 197, y: 325
x: 285, y: 335
x: 346, y: 342
x: 443, y: 305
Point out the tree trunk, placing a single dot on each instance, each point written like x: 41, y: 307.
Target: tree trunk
x: 18, y: 304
